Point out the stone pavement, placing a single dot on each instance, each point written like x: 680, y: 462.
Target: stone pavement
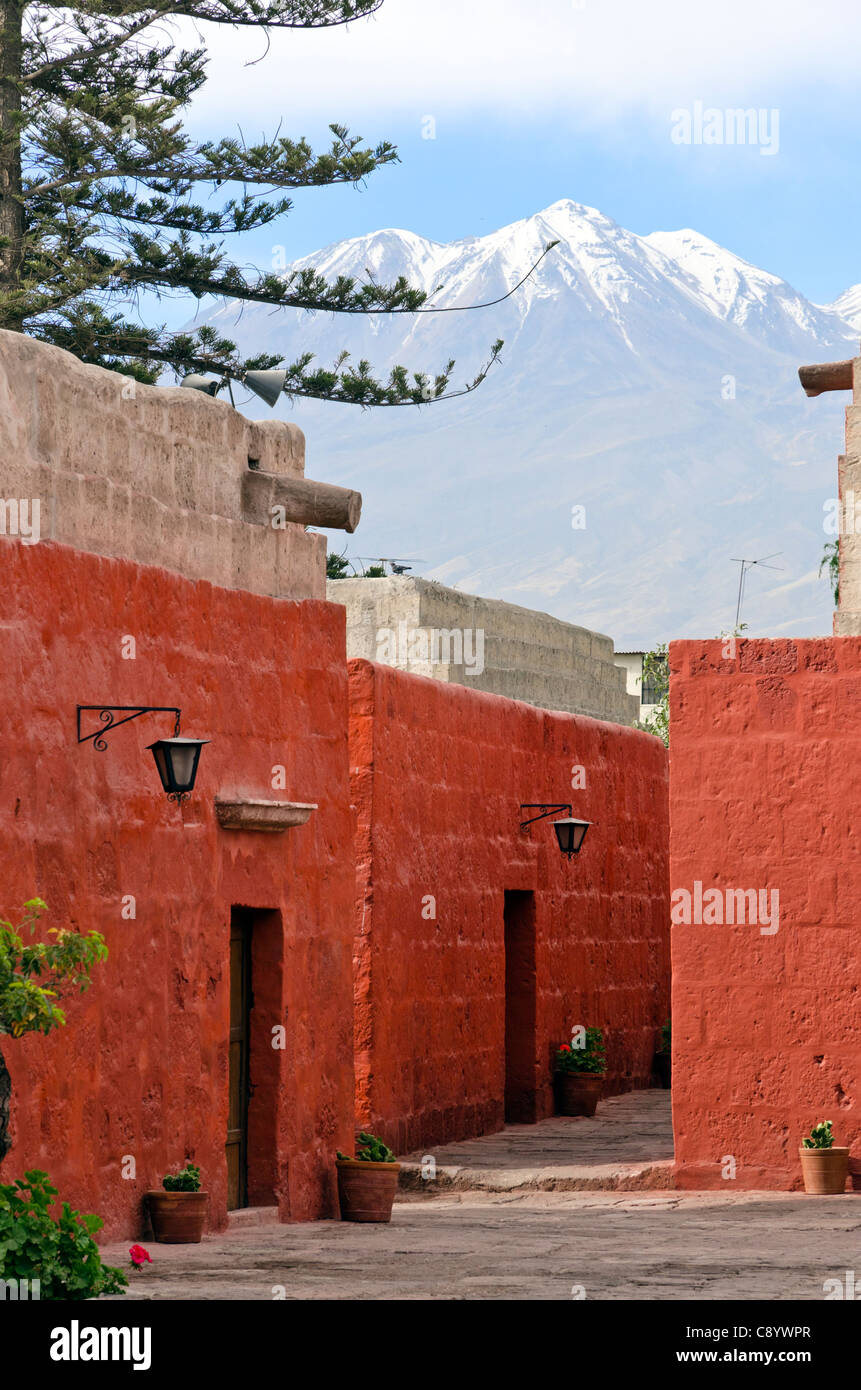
x: 533, y: 1212
x: 628, y: 1145
x: 533, y: 1245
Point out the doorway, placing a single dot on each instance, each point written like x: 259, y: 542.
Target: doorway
x: 257, y: 1047
x: 520, y: 1008
x: 241, y: 1004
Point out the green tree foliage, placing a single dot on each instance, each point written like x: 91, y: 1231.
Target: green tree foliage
x: 337, y: 567
x: 656, y: 675
x: 103, y: 195
x: 32, y: 976
x: 830, y: 562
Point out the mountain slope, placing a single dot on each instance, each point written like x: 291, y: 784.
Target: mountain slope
x: 650, y: 379
x: 848, y: 306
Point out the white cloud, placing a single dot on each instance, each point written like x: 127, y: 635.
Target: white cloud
x: 595, y: 61
x: 805, y: 581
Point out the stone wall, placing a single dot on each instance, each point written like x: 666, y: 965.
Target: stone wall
x: 438, y: 777
x: 765, y: 784
x: 141, y: 1068
x: 847, y: 619
x: 484, y: 644
x: 158, y: 476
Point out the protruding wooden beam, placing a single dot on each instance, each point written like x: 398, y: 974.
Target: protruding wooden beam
x: 826, y: 376
x: 269, y: 498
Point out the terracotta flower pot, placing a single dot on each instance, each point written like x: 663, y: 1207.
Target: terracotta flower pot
x: 855, y: 1173
x: 178, y: 1218
x: 366, y: 1191
x: 578, y: 1092
x: 824, y: 1170
x: 663, y: 1069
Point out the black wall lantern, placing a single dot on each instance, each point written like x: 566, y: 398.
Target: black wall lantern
x: 569, y: 832
x: 175, y: 758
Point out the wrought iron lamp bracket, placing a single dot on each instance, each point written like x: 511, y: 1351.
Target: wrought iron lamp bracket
x: 543, y: 810
x: 106, y: 715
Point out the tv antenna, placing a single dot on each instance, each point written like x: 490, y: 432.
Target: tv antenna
x: 397, y: 566
x: 748, y: 565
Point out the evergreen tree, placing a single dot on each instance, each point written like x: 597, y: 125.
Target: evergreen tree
x: 103, y: 195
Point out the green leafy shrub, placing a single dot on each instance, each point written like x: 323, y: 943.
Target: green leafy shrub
x: 186, y: 1180
x: 371, y: 1150
x: 589, y: 1058
x: 60, y: 1252
x: 666, y: 1044
x: 820, y: 1136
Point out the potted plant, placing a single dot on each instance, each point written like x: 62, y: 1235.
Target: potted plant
x: 824, y: 1167
x: 579, y: 1074
x: 178, y: 1213
x: 663, y: 1056
x: 367, y: 1183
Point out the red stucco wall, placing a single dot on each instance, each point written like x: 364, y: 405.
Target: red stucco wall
x: 438, y: 775
x: 141, y: 1067
x: 765, y: 769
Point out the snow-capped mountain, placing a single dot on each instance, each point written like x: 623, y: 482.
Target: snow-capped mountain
x: 650, y: 379
x: 848, y: 306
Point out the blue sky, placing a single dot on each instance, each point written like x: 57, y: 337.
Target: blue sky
x: 569, y: 98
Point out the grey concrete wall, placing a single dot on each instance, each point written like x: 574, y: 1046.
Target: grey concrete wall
x: 527, y: 655
x: 150, y: 474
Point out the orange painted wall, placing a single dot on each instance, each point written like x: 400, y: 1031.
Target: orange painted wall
x: 438, y: 775
x: 141, y: 1067
x: 765, y: 781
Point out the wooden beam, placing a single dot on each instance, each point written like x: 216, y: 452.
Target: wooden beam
x: 269, y: 498
x: 826, y: 376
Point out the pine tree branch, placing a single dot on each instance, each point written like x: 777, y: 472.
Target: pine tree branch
x: 314, y: 293
x: 258, y: 14
x: 243, y: 216
x: 96, y: 192
x: 36, y: 76
x: 279, y: 163
x: 93, y: 336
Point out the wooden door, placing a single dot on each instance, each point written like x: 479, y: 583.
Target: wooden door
x: 520, y: 1008
x: 240, y: 1014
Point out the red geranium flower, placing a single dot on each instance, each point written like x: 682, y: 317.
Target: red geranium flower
x: 564, y: 1048
x: 140, y: 1256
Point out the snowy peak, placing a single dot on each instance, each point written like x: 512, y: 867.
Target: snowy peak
x: 610, y: 394
x: 385, y: 255
x: 726, y: 281
x: 848, y: 307
x: 740, y: 293
x: 610, y: 270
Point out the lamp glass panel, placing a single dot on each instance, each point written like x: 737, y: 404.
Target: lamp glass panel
x: 578, y: 834
x: 161, y: 763
x: 570, y: 833
x: 183, y: 758
x: 176, y: 760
